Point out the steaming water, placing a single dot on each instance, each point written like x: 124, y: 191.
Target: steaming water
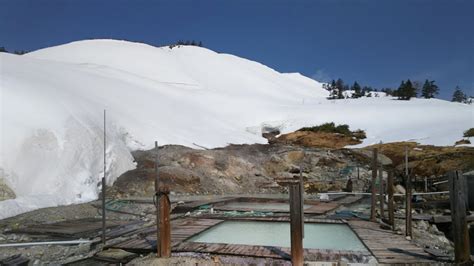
x: 317, y: 236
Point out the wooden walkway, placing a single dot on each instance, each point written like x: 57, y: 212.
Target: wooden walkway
x: 181, y: 229
x: 315, y: 207
x: 388, y: 247
x: 271, y: 252
x: 73, y: 229
x: 193, y: 205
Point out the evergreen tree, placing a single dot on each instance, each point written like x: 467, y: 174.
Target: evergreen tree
x: 410, y: 90
x: 357, y: 90
x: 459, y: 96
x: 429, y: 89
x: 3, y: 50
x: 406, y: 90
x: 340, y: 88
x: 425, y: 91
x: 401, y: 90
x: 331, y: 87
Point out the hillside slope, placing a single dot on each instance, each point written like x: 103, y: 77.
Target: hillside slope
x: 53, y: 100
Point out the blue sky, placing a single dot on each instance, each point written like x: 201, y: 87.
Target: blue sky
x: 377, y: 43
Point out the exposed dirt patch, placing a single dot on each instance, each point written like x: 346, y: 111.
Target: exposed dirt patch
x: 428, y: 160
x: 317, y: 139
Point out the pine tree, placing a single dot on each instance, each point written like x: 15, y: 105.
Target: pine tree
x: 459, y: 96
x: 410, y: 90
x: 425, y: 92
x: 429, y: 89
x: 331, y: 87
x: 401, y: 91
x: 357, y: 90
x: 3, y: 50
x: 340, y: 88
x: 406, y: 90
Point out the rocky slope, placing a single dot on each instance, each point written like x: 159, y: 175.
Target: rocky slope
x: 242, y: 169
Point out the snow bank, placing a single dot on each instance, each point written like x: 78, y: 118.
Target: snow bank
x: 52, y: 102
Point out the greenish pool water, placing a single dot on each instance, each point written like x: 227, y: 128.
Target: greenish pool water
x: 317, y: 236
x: 280, y: 206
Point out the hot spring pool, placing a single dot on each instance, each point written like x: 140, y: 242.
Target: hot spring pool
x: 317, y: 235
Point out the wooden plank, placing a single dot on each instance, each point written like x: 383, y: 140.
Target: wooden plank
x: 182, y: 229
x: 374, y: 177
x: 269, y: 252
x: 388, y: 247
x: 85, y: 228
x: 381, y: 192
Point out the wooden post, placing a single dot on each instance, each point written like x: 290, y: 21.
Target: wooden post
x: 104, y: 183
x: 301, y: 201
x: 296, y: 224
x: 157, y: 202
x: 381, y: 192
x: 457, y: 198
x: 163, y: 232
x: 408, y: 231
x: 426, y: 184
x: 374, y: 177
x: 165, y: 228
x: 391, y: 215
x: 296, y: 216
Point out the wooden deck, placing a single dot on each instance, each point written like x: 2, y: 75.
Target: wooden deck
x: 316, y: 207
x: 181, y: 229
x: 388, y: 247
x: 73, y: 229
x: 384, y: 245
x: 193, y: 205
x: 271, y: 252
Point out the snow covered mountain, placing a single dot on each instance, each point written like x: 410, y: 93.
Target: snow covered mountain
x: 52, y: 103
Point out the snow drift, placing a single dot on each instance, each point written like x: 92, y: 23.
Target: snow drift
x: 52, y: 102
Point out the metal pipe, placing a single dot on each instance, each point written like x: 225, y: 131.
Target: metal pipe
x: 25, y: 244
x: 377, y: 194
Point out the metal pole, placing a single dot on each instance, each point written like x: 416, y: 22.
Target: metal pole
x: 103, y: 181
